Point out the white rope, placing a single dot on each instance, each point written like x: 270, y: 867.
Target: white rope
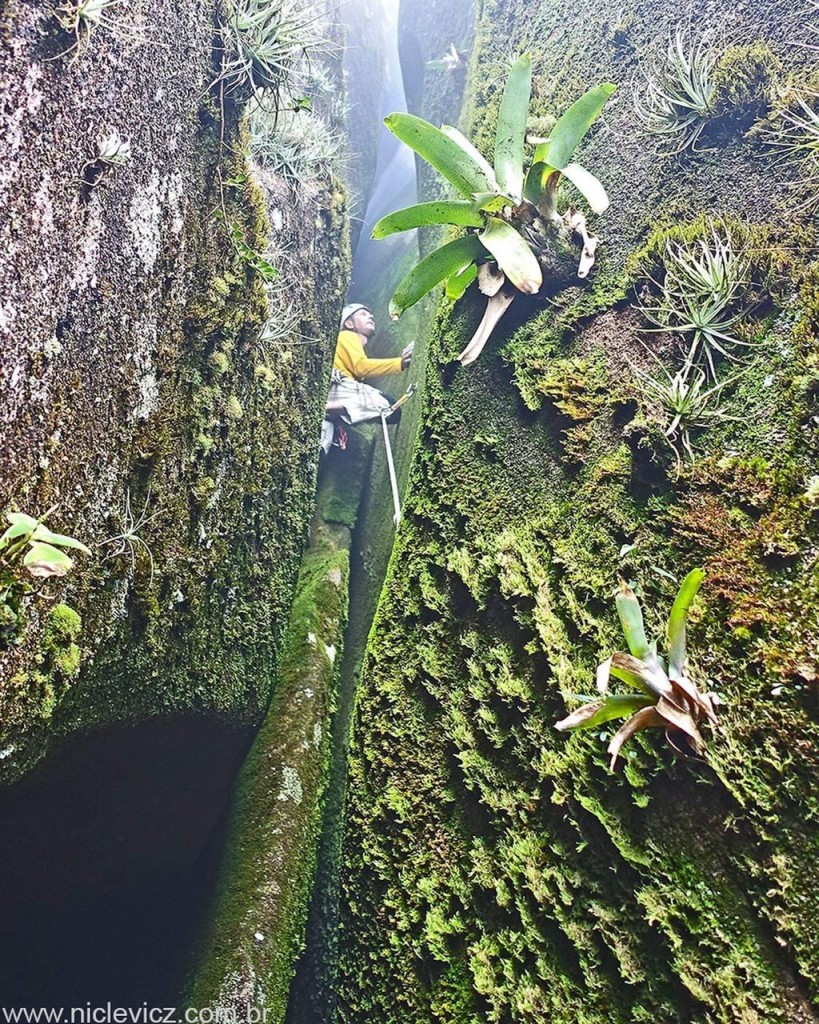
x: 396, y: 503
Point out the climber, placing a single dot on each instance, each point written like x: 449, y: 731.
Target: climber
x: 350, y: 400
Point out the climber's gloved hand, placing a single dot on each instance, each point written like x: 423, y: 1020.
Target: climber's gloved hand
x: 406, y: 356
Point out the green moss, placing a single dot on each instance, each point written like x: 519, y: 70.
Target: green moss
x: 63, y: 627
x: 62, y: 655
x: 233, y: 408
x: 268, y: 872
x: 344, y: 475
x: 204, y: 489
x: 219, y: 361
x: 744, y: 78
x: 668, y: 891
x: 225, y: 505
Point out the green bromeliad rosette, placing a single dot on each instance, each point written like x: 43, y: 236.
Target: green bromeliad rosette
x: 510, y: 214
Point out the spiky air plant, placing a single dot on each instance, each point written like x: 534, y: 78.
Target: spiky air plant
x: 129, y: 540
x: 301, y: 145
x: 110, y: 151
x: 683, y: 404
x: 811, y: 29
x: 659, y: 696
x: 263, y: 41
x: 794, y: 132
x: 81, y: 17
x: 673, y: 100
x: 699, y: 297
x: 510, y: 214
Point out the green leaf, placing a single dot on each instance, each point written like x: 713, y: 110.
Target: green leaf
x: 461, y: 140
x: 514, y: 256
x: 571, y: 127
x: 21, y: 524
x: 59, y: 539
x: 491, y: 202
x: 616, y: 705
x: 445, y: 153
x: 461, y: 212
x: 541, y: 176
x: 451, y: 258
x: 264, y: 268
x: 511, y: 130
x: 45, y: 560
x: 589, y: 187
x: 677, y: 621
x: 458, y: 283
x: 631, y: 619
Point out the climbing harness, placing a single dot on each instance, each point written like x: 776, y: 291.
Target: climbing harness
x: 385, y: 413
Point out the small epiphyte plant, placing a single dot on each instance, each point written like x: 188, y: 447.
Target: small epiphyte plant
x: 684, y: 404
x: 660, y: 696
x: 511, y: 215
x: 252, y: 258
x: 81, y: 17
x: 699, y: 297
x: 453, y: 60
x: 40, y: 549
x: 795, y: 133
x: 128, y: 541
x: 674, y: 99
x: 262, y: 42
x: 299, y: 144
x: 281, y: 327
x: 110, y: 151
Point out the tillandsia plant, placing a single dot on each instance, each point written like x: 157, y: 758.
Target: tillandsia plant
x: 683, y: 403
x: 699, y: 297
x: 301, y: 145
x: 811, y: 29
x: 40, y: 549
x: 129, y: 540
x: 661, y: 696
x: 81, y: 17
x: 263, y: 41
x: 795, y: 133
x: 674, y: 99
x: 511, y: 215
x: 110, y: 151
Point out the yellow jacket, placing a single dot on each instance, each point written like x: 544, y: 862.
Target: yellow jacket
x: 351, y: 360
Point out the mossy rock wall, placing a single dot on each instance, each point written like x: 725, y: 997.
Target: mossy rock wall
x: 260, y: 913
x: 494, y: 868
x: 136, y: 394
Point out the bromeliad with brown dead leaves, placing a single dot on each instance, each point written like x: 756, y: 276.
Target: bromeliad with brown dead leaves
x: 661, y: 696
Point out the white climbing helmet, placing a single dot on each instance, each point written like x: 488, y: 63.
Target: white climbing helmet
x: 348, y: 311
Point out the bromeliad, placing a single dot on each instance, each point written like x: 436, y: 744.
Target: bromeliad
x: 661, y: 697
x: 511, y: 216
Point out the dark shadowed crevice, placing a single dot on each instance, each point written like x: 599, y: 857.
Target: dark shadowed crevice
x: 107, y: 860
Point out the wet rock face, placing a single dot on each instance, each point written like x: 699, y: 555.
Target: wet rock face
x: 135, y: 397
x: 94, y: 277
